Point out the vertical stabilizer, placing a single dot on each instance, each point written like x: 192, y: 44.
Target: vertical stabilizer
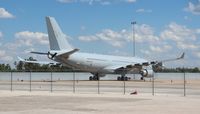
x: 57, y: 39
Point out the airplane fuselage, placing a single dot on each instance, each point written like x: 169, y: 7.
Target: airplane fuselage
x: 97, y: 62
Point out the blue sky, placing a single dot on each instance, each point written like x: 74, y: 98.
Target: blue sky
x: 164, y: 29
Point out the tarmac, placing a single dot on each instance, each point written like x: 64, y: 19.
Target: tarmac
x: 40, y: 102
x: 113, y: 98
x: 167, y: 87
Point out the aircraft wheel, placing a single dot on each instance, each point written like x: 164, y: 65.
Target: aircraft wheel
x: 119, y: 78
x: 142, y: 78
x: 122, y: 78
x: 95, y: 78
x: 126, y: 78
x: 90, y: 78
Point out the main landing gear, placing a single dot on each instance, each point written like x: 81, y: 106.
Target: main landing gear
x: 122, y: 78
x: 94, y: 78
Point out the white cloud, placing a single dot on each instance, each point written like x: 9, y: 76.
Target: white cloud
x: 7, y: 59
x: 88, y: 38
x: 119, y: 53
x: 198, y: 31
x: 130, y: 1
x: 193, y: 8
x: 23, y: 43
x: 177, y: 33
x: 143, y: 33
x: 146, y: 52
x: 105, y: 3
x: 91, y: 2
x: 187, y: 45
x: 66, y: 1
x: 197, y: 54
x: 111, y: 37
x: 160, y: 49
x: 30, y: 38
x: 4, y: 56
x: 2, y: 53
x: 184, y: 37
x: 143, y: 11
x: 156, y: 49
x: 5, y: 14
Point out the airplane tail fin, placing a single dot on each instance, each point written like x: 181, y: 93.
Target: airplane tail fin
x: 57, y: 39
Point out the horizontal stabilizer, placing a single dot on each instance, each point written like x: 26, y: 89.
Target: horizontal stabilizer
x: 20, y: 59
x: 66, y: 54
x: 38, y: 62
x: 40, y: 53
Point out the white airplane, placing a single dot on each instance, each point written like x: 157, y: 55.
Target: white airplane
x: 61, y: 52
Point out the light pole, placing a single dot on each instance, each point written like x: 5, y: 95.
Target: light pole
x: 133, y: 27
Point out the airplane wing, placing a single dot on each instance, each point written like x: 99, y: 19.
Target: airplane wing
x: 128, y: 67
x: 156, y: 62
x: 114, y: 67
x: 181, y: 57
x: 39, y: 62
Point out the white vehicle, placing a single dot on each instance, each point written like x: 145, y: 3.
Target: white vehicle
x: 61, y: 52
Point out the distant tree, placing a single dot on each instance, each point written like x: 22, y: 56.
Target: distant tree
x: 31, y: 66
x: 19, y: 66
x: 191, y: 70
x: 5, y: 68
x: 195, y: 69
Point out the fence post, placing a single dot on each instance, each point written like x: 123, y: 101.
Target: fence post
x: 11, y: 81
x: 98, y: 79
x: 153, y: 84
x: 51, y: 82
x: 184, y: 85
x: 124, y: 86
x: 30, y: 81
x: 74, y: 82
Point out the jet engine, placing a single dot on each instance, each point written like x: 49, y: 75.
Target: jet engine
x: 146, y: 73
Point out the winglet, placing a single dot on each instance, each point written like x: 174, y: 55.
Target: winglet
x: 167, y: 60
x: 20, y: 59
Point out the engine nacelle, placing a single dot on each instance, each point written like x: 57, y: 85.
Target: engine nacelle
x: 146, y: 73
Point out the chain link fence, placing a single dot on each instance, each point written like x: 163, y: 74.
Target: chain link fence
x: 77, y: 82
